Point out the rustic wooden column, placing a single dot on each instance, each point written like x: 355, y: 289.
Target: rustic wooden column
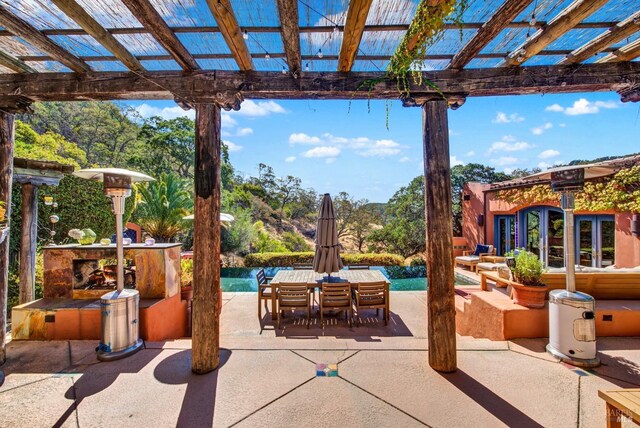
x: 207, y: 296
x: 439, y: 239
x: 6, y: 177
x: 28, y: 242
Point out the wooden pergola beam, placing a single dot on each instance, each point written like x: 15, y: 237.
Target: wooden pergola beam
x: 305, y: 29
x: 353, y: 30
x: 491, y: 55
x: 616, y: 33
x: 628, y: 52
x: 206, y: 86
x: 506, y: 13
x: 7, y: 142
x: 74, y: 11
x: 15, y: 64
x: 288, y: 14
x: 228, y: 24
x: 563, y: 22
x: 34, y: 37
x: 144, y: 12
x: 422, y: 32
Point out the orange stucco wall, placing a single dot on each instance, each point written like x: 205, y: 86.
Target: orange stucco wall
x: 627, y: 245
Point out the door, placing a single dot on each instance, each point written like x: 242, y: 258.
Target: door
x: 555, y: 238
x: 606, y: 242
x: 505, y: 234
x: 532, y: 237
x: 595, y: 240
x: 542, y: 231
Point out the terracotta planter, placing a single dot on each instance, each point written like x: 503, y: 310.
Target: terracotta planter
x: 528, y: 296
x: 186, y: 293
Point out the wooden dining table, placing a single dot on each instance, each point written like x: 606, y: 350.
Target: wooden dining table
x: 315, y: 280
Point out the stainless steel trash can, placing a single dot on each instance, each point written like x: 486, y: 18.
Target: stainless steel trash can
x: 120, y: 324
x: 572, y: 328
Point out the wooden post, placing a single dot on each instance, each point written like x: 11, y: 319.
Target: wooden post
x: 439, y: 239
x: 28, y: 242
x: 207, y: 296
x: 6, y: 177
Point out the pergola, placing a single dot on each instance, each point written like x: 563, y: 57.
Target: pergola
x: 213, y: 54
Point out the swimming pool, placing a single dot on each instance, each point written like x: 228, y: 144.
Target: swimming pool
x: 403, y: 278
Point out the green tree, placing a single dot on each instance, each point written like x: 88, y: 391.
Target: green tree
x: 237, y: 237
x: 163, y: 204
x: 46, y: 147
x: 172, y: 144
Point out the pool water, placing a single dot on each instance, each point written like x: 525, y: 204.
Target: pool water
x: 402, y: 278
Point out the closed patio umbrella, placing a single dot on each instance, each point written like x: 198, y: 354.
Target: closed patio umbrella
x: 327, y: 256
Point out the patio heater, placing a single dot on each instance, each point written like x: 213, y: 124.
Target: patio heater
x: 572, y: 327
x: 119, y: 309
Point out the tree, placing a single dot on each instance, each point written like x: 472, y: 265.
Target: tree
x: 172, y: 143
x: 163, y: 204
x: 365, y: 217
x: 286, y: 189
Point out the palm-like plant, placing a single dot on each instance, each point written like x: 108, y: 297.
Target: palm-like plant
x: 163, y: 204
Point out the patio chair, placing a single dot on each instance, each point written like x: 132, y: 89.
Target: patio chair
x: 302, y: 266
x: 264, y: 292
x: 371, y: 296
x: 359, y: 267
x: 472, y: 258
x: 293, y: 296
x: 336, y: 296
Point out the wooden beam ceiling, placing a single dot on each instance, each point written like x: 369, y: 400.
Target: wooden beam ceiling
x: 616, y: 33
x: 353, y: 30
x: 15, y: 64
x: 144, y: 12
x: 228, y: 24
x: 74, y: 11
x: 506, y: 13
x: 422, y: 32
x: 288, y: 14
x: 628, y: 52
x: 563, y: 22
x: 305, y: 29
x: 210, y: 86
x: 34, y: 37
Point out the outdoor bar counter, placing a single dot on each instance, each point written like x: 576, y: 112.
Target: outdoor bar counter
x: 73, y: 284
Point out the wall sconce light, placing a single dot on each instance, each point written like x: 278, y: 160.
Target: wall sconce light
x: 635, y: 225
x: 480, y: 219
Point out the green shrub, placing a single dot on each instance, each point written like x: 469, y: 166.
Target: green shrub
x: 288, y: 259
x: 418, y: 261
x: 528, y: 269
x: 186, y: 272
x: 295, y: 242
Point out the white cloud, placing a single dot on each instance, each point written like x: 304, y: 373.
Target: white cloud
x: 548, y: 154
x: 455, y: 161
x: 322, y: 152
x: 539, y: 130
x: 562, y: 125
x: 509, y: 144
x: 453, y: 133
x: 233, y: 147
x: 228, y: 121
x: 505, y: 161
x: 290, y: 159
x: 243, y: 132
x: 258, y: 109
x: 543, y: 165
x: 381, y: 148
x: 145, y: 110
x: 504, y: 118
x: 302, y: 138
x: 404, y: 159
x: 583, y: 106
x: 471, y: 153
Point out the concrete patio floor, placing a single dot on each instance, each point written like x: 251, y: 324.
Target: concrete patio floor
x: 269, y: 379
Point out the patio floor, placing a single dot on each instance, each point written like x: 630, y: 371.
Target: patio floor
x: 269, y: 379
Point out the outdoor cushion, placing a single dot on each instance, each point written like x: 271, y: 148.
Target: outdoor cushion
x: 490, y: 266
x: 482, y: 249
x: 468, y: 258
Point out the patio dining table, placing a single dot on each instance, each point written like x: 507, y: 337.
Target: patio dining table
x: 315, y: 280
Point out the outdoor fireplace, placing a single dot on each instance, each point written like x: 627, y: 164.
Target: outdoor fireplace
x: 101, y: 275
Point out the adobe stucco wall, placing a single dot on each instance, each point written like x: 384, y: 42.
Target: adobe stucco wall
x: 627, y: 245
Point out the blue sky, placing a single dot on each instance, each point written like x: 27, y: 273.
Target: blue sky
x: 333, y: 148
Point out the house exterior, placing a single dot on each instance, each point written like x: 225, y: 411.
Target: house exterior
x: 603, y: 238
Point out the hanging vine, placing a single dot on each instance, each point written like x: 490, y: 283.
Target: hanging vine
x: 620, y: 193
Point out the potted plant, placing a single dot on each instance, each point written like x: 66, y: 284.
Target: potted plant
x: 4, y: 230
x: 186, y: 279
x: 528, y: 288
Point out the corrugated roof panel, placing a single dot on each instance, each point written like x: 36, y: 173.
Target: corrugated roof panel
x: 329, y: 42
x: 484, y: 63
x: 39, y: 13
x: 48, y: 66
x: 575, y: 38
x: 544, y: 10
x: 435, y: 64
x: 320, y: 65
x: 141, y: 44
x: 322, y: 13
x: 614, y: 10
x: 626, y: 41
x: 80, y: 45
x: 380, y: 42
x: 164, y: 65
x: 391, y: 12
x: 272, y: 64
x: 107, y: 66
x: 185, y: 13
x: 218, y: 64
x: 508, y: 40
x: 110, y: 13
x: 260, y: 43
x: 256, y: 13
x: 369, y: 65
x: 5, y: 70
x: 451, y: 41
x: 543, y: 60
x: 204, y: 43
x: 480, y: 10
x: 17, y: 47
